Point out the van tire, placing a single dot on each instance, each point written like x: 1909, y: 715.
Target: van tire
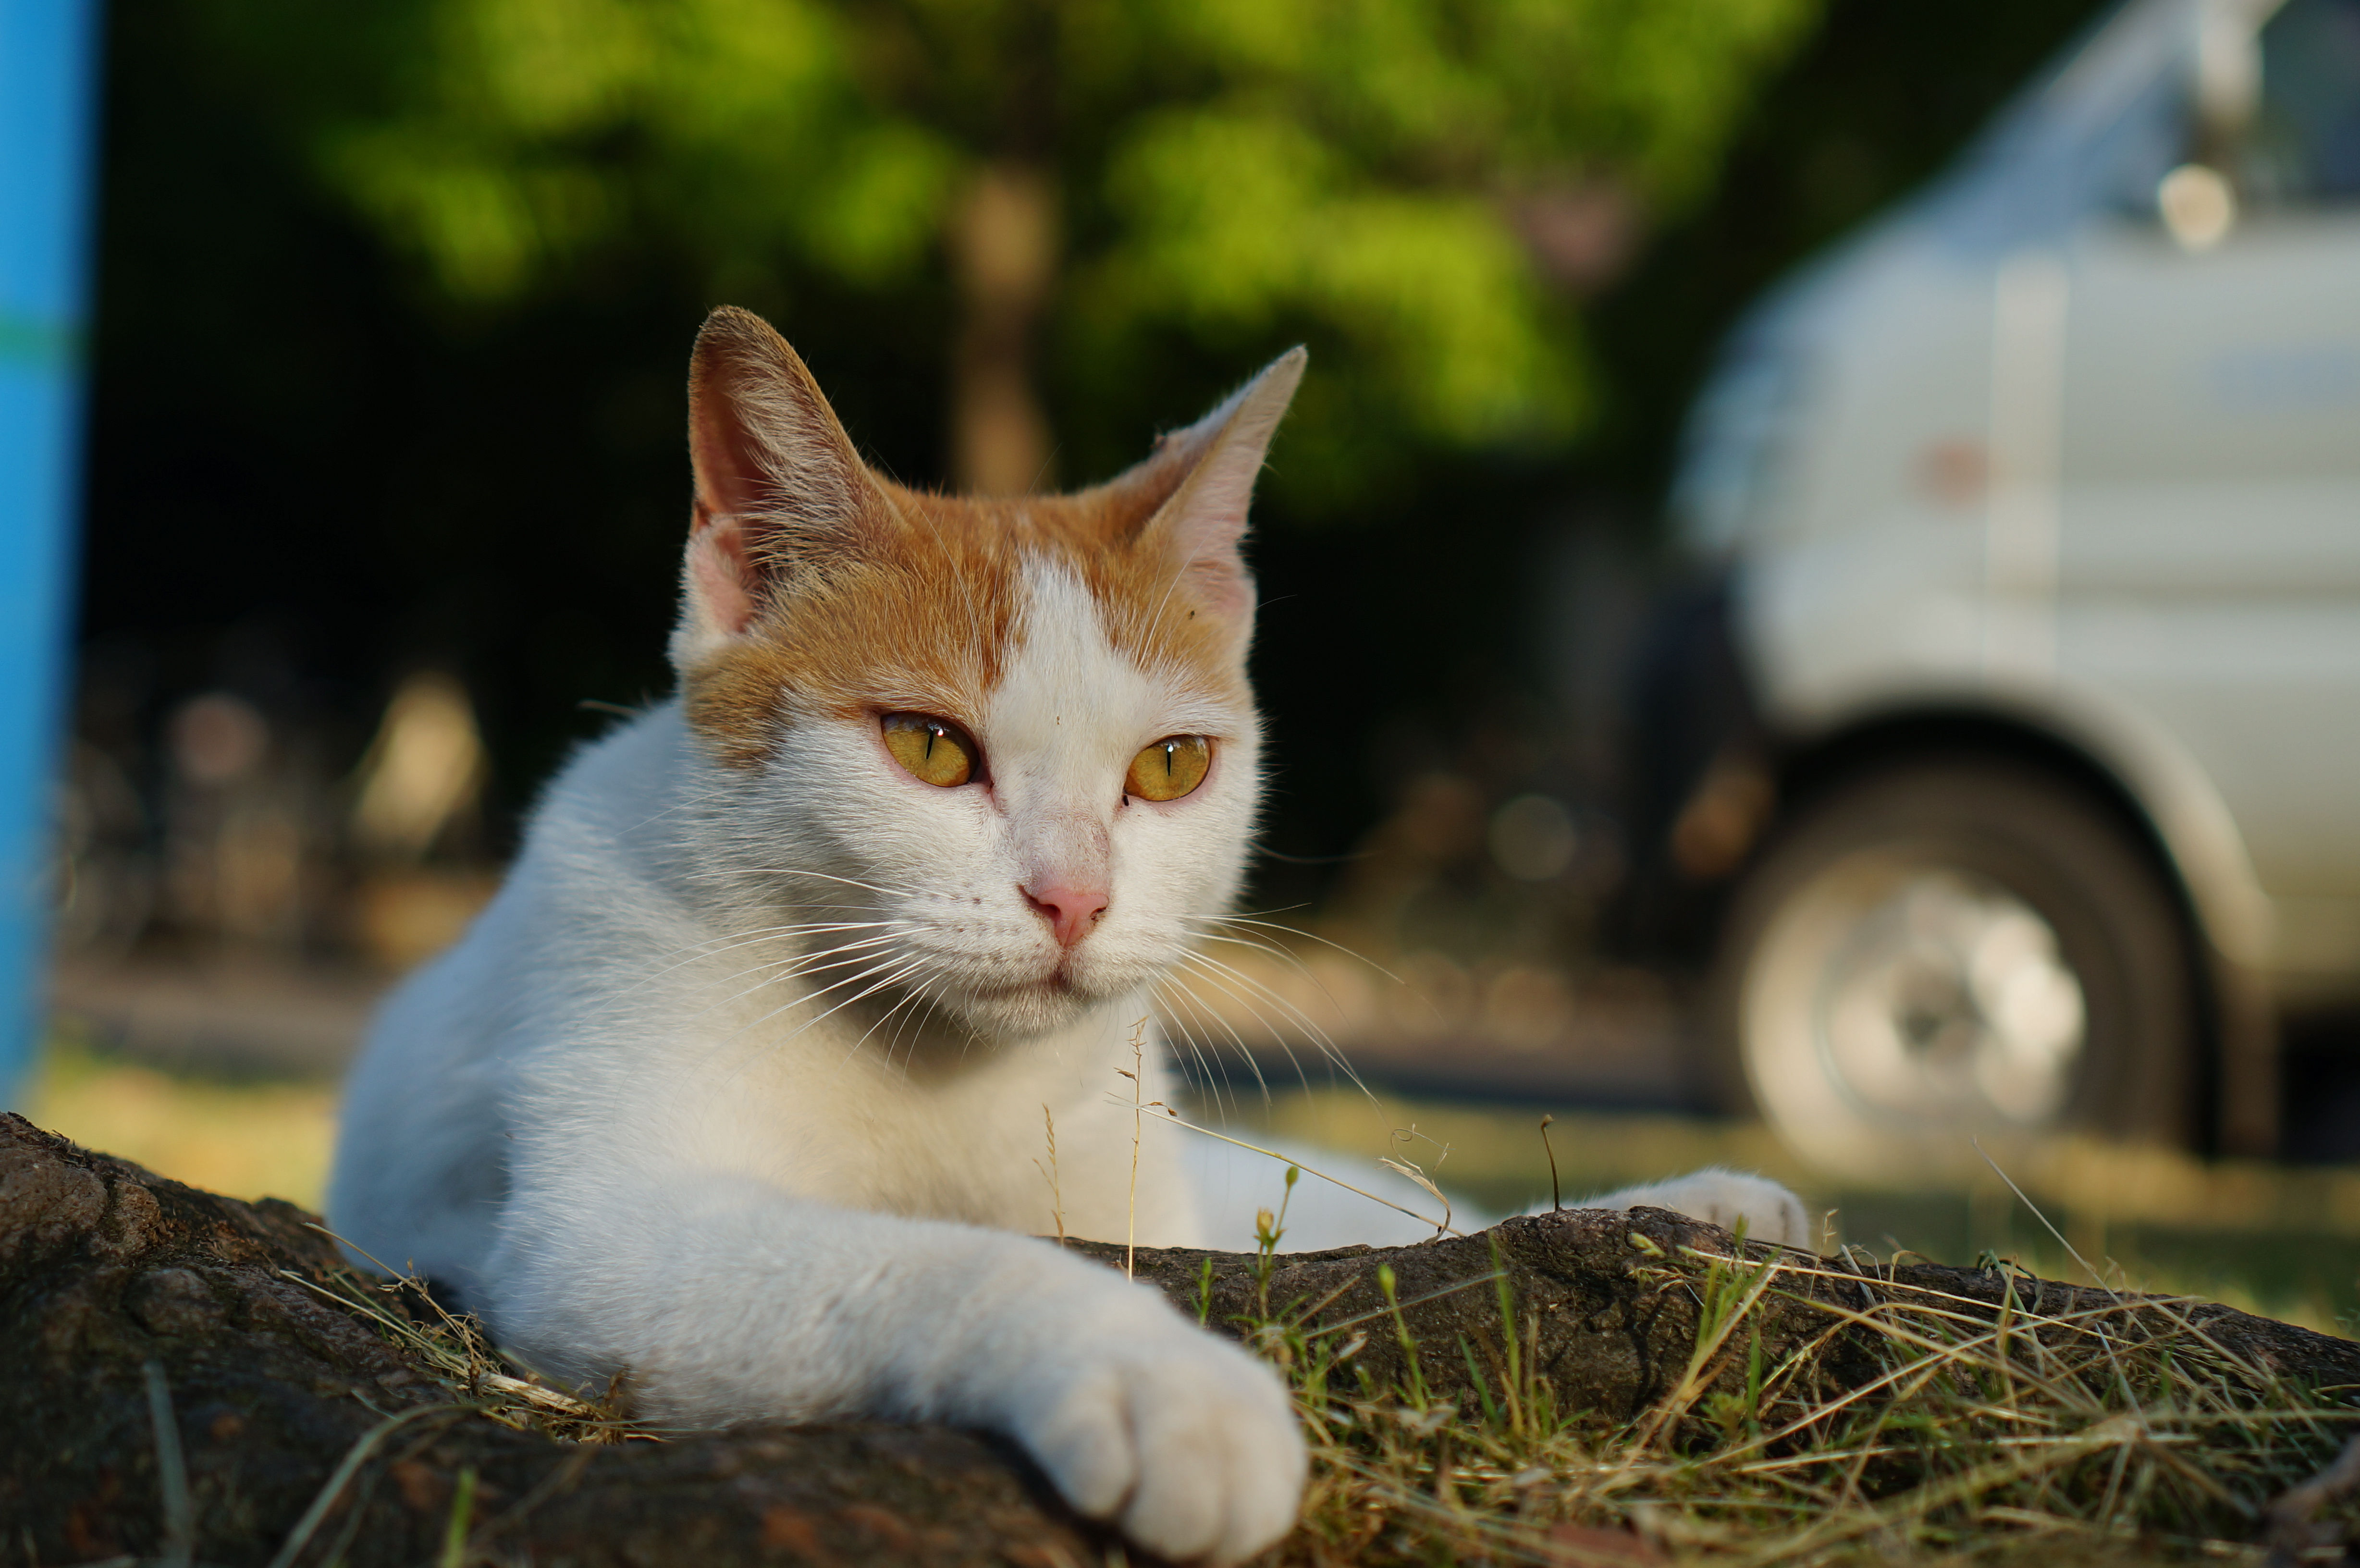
x: 1946, y: 842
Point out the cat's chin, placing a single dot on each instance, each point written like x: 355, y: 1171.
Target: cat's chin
x: 1037, y: 1008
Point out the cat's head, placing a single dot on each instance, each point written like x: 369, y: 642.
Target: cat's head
x: 1007, y: 746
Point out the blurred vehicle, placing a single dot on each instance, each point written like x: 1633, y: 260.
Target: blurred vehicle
x: 2021, y: 726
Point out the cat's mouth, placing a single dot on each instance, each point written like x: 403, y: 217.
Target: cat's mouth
x: 1058, y: 983
x: 1048, y: 1000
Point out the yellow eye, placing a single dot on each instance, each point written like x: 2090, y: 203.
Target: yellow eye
x: 1169, y: 769
x: 932, y: 751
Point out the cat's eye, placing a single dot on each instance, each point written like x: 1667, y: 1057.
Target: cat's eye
x: 932, y: 751
x: 1170, y: 769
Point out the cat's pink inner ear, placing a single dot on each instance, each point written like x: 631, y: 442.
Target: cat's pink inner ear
x: 722, y: 580
x: 777, y: 479
x: 1203, y: 525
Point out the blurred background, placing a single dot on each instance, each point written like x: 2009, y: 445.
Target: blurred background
x: 1811, y: 597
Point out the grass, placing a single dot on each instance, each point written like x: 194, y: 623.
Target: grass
x: 2122, y: 1432
x: 2281, y: 1242
x: 2121, y: 1435
x: 2117, y: 1431
x: 454, y: 1351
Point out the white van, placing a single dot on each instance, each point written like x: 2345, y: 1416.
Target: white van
x: 2039, y: 507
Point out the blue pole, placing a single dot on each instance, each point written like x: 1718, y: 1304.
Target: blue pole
x: 48, y: 59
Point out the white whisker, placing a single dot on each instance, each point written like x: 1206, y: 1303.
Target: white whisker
x: 1169, y: 995
x: 1302, y: 1019
x: 889, y: 966
x: 1297, y: 930
x: 824, y: 876
x: 800, y: 967
x: 883, y: 1019
x: 1245, y: 1051
x: 718, y: 945
x: 1215, y: 971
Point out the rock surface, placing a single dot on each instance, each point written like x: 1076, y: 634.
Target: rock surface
x: 124, y: 1296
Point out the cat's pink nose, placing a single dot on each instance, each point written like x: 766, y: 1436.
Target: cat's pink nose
x: 1070, y: 911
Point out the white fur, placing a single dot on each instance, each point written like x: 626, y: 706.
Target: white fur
x: 1231, y: 1183
x: 738, y: 1085
x: 625, y: 1121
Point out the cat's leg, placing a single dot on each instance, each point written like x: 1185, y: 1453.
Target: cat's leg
x: 1231, y: 1183
x: 727, y: 1299
x: 1724, y: 1197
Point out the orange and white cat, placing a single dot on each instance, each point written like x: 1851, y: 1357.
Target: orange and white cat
x: 738, y: 1083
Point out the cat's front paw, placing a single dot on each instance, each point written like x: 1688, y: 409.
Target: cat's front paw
x: 1769, y: 1210
x: 1186, y: 1442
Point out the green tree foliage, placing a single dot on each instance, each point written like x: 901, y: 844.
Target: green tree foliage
x: 1421, y: 188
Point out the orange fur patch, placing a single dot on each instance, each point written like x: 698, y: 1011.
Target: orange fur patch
x: 919, y: 612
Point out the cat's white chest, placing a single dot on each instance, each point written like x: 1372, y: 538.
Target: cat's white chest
x: 955, y: 1130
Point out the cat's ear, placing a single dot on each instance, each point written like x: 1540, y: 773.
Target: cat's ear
x: 778, y: 482
x: 1200, y: 526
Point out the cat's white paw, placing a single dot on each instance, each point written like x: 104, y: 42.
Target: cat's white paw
x: 1771, y: 1213
x: 1184, y: 1442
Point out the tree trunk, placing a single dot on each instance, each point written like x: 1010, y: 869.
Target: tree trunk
x: 180, y: 1381
x: 1004, y: 244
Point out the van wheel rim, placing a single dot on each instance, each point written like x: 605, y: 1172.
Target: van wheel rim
x: 1901, y: 995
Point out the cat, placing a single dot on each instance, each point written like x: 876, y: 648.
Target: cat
x: 738, y: 1083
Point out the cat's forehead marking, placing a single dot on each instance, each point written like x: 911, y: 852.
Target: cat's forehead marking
x: 1069, y: 703
x: 946, y: 597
